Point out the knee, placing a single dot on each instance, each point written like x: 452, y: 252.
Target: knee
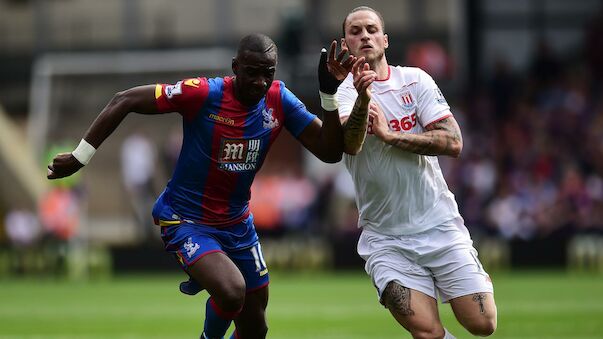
x: 231, y: 297
x: 484, y: 328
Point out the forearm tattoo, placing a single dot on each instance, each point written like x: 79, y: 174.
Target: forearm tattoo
x: 397, y: 299
x: 479, y: 298
x: 355, y: 127
x: 442, y: 138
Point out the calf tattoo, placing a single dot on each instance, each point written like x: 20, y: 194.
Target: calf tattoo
x: 397, y: 299
x: 479, y: 298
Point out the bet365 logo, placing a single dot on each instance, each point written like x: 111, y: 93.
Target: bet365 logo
x: 237, y: 155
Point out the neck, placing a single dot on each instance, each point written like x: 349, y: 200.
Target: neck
x: 381, y: 68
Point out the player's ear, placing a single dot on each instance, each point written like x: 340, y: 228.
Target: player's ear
x: 235, y: 65
x: 386, y: 41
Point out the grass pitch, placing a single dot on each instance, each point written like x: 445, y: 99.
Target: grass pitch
x: 306, y: 305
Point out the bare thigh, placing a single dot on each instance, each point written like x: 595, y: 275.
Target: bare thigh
x: 222, y: 280
x: 415, y: 311
x: 476, y: 312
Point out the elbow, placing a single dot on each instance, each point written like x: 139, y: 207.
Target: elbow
x: 120, y: 97
x: 456, y: 149
x: 123, y: 100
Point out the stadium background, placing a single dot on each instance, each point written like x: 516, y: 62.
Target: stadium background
x: 524, y: 80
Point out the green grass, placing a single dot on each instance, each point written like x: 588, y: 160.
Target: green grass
x: 319, y: 305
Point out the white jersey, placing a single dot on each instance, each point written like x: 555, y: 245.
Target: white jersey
x: 399, y: 192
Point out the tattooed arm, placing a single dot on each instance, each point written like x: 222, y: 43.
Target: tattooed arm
x: 355, y: 125
x: 443, y: 137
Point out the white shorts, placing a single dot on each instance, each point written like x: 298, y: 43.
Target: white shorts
x: 440, y: 259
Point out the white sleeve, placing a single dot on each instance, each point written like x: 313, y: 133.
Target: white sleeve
x: 432, y: 105
x: 346, y: 98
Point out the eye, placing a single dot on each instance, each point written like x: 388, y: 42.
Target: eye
x: 252, y: 72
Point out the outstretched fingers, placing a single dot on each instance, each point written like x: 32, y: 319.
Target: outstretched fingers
x: 339, y: 66
x: 358, y: 64
x: 332, y: 50
x: 341, y: 54
x: 349, y: 63
x: 363, y: 77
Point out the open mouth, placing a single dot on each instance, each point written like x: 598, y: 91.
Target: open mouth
x: 255, y: 94
x: 256, y: 90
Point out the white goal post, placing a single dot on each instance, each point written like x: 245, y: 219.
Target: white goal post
x: 52, y: 72
x: 48, y: 66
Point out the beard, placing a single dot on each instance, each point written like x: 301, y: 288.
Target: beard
x: 374, y: 58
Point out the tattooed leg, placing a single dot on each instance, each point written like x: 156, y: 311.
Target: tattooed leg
x: 479, y: 298
x: 476, y: 312
x: 420, y: 317
x: 397, y: 299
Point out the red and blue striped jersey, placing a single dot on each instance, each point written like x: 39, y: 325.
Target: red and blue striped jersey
x: 224, y: 145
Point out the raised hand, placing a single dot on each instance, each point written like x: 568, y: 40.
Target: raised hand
x: 63, y: 165
x: 363, y: 77
x: 333, y: 70
x: 378, y: 123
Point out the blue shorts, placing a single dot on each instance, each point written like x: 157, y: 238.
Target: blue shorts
x: 190, y: 242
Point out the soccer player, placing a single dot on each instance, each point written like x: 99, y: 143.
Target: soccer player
x: 413, y: 238
x: 229, y: 124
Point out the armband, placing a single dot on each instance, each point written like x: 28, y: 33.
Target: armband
x: 328, y: 102
x: 83, y: 152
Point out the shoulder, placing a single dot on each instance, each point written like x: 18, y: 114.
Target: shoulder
x: 279, y: 96
x: 277, y: 86
x: 280, y: 90
x: 190, y: 85
x: 184, y: 89
x: 408, y: 75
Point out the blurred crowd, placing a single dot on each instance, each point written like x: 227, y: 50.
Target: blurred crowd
x: 532, y: 164
x: 531, y: 167
x: 533, y: 158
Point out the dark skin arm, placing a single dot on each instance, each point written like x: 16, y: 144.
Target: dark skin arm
x: 325, y: 138
x: 442, y: 137
x: 138, y: 99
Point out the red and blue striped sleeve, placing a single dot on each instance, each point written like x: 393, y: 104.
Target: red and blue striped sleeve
x: 185, y: 97
x: 297, y: 116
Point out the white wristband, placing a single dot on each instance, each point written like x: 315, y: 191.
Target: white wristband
x: 328, y: 102
x: 84, y: 152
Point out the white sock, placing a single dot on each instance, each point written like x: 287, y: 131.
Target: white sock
x: 448, y: 335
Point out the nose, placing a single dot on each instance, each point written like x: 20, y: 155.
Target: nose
x: 260, y: 82
x: 365, y: 35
